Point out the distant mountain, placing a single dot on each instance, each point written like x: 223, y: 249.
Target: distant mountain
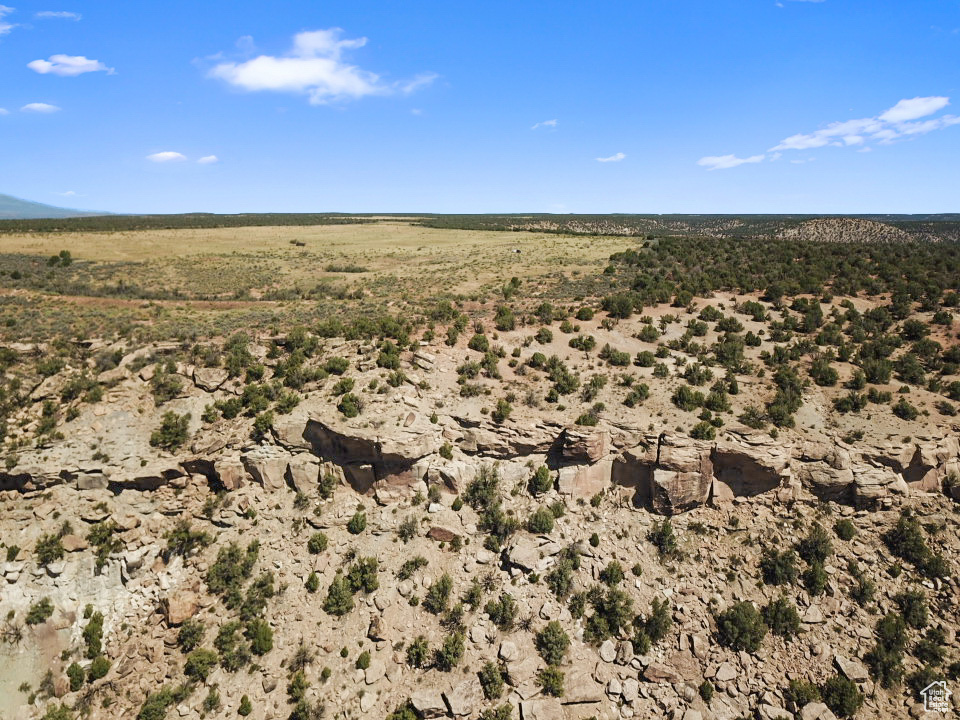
x: 12, y: 208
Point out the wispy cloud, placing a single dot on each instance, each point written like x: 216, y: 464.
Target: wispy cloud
x: 4, y: 111
x: 315, y: 67
x: 894, y: 124
x: 166, y: 156
x: 907, y: 119
x: 57, y: 15
x: 5, y: 27
x: 68, y: 66
x: 208, y: 160
x: 613, y: 158
x: 40, y: 108
x: 545, y: 123
x: 724, y: 162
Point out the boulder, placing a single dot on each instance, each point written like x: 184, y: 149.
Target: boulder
x: 209, y: 379
x: 73, y: 543
x: 872, y: 483
x: 267, y: 469
x: 851, y: 669
x: 180, y: 607
x: 583, y: 445
x: 230, y: 472
x: 585, y: 481
x: 541, y: 709
x: 303, y: 473
x: 441, y: 534
x: 365, y: 445
x: 751, y: 466
x: 465, y: 698
x: 827, y: 482
x: 658, y: 673
x: 429, y: 704
x: 816, y: 711
x: 580, y: 687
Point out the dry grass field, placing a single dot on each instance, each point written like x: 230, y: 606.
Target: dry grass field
x: 202, y: 281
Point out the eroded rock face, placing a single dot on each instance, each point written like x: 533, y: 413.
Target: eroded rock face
x: 827, y: 482
x: 750, y: 468
x: 585, y: 481
x: 584, y: 445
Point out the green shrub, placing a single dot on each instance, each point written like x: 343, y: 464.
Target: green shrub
x: 49, y: 549
x: 800, y: 693
x: 156, y: 705
x: 781, y: 617
x: 58, y: 712
x: 362, y: 575
x: 705, y: 691
x: 418, y: 652
x: 358, y: 523
x: 552, y: 643
x: 93, y: 635
x: 312, y: 583
x: 842, y: 696
x: 502, y: 411
x: 449, y: 655
x: 438, y: 594
x: 339, y: 600
x: 778, y: 568
x: 98, y: 668
x: 199, y: 664
x: 541, y: 481
x: 350, y: 405
x: 885, y: 659
x: 317, y: 543
x: 612, y: 574
x: 39, y: 611
x: 815, y: 579
x: 363, y: 660
x: 503, y: 611
x: 191, y: 634
x: 234, y: 652
x: 260, y: 635
x: 816, y: 546
x: 479, y: 342
x: 612, y: 611
x: 906, y: 541
x: 183, y: 539
x: 741, y: 627
x: 664, y: 539
x: 172, y: 432
x: 845, y: 530
x: 491, y: 680
x: 913, y: 607
x: 76, y: 676
x: 541, y: 521
x: 551, y: 680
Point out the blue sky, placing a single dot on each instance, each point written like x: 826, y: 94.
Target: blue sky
x: 836, y: 106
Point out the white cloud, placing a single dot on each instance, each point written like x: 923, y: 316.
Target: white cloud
x: 40, y: 108
x: 914, y: 108
x: 4, y: 111
x: 724, y: 162
x: 900, y: 122
x: 68, y: 193
x: 545, y: 123
x: 5, y: 27
x: 613, y: 158
x: 166, y: 156
x: 68, y: 66
x: 57, y: 15
x: 314, y: 67
x: 208, y: 160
